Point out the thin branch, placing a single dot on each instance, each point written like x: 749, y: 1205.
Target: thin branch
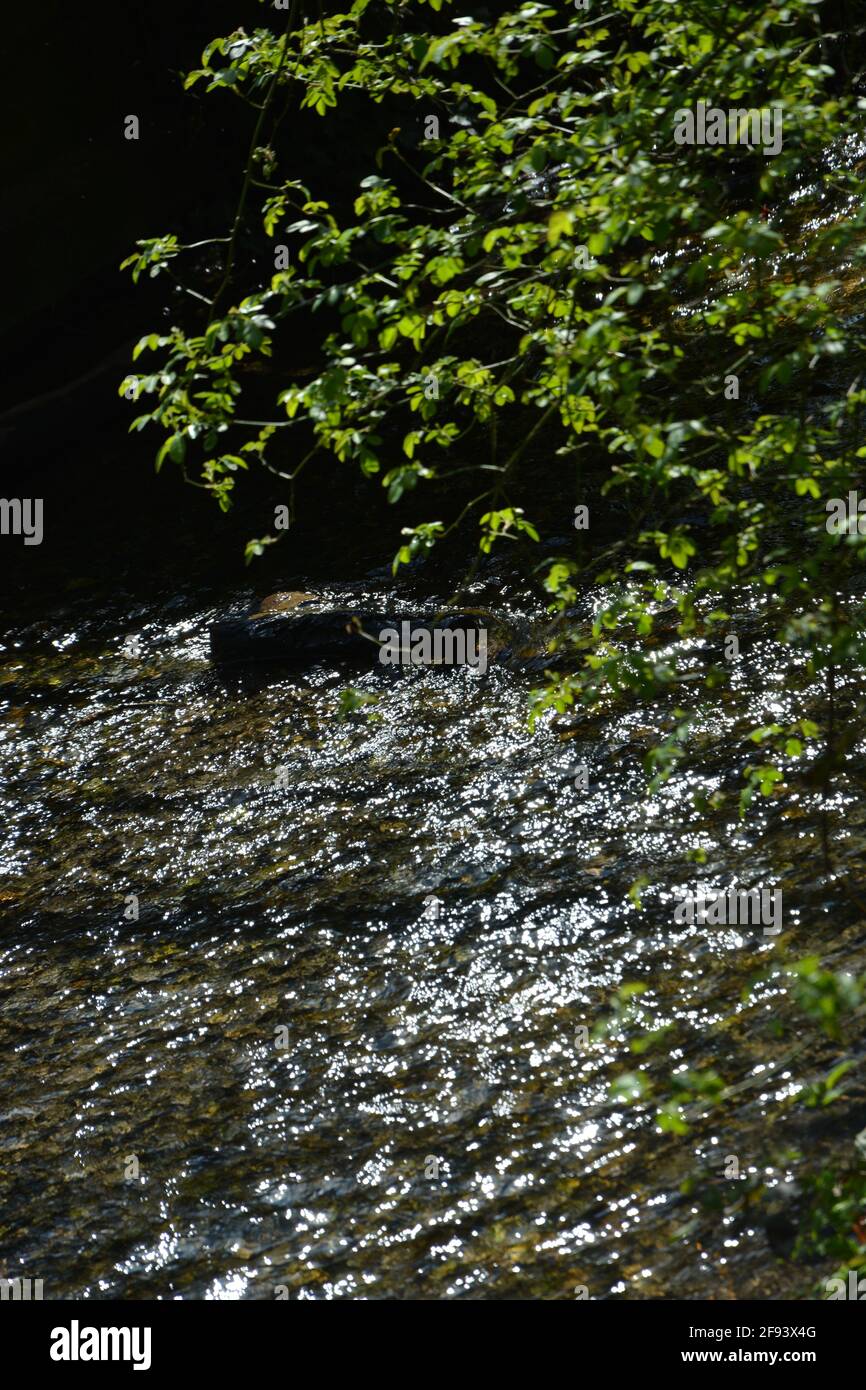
x: 248, y: 172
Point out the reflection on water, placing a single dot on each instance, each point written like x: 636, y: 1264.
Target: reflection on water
x: 344, y: 1040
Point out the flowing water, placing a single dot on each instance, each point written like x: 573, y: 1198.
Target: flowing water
x: 340, y: 1052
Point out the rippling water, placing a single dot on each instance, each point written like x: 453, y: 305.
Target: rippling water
x: 341, y: 1051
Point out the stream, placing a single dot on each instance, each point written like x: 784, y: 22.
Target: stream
x: 342, y: 1052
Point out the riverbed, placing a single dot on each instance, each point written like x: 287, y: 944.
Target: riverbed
x: 305, y: 1006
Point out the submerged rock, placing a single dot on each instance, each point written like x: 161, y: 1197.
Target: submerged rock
x: 283, y: 603
x: 304, y: 628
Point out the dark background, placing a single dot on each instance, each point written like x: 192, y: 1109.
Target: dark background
x: 77, y: 195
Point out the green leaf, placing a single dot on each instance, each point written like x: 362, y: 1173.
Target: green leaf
x: 559, y: 225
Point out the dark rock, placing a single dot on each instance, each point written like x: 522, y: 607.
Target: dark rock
x: 300, y: 628
x: 347, y: 634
